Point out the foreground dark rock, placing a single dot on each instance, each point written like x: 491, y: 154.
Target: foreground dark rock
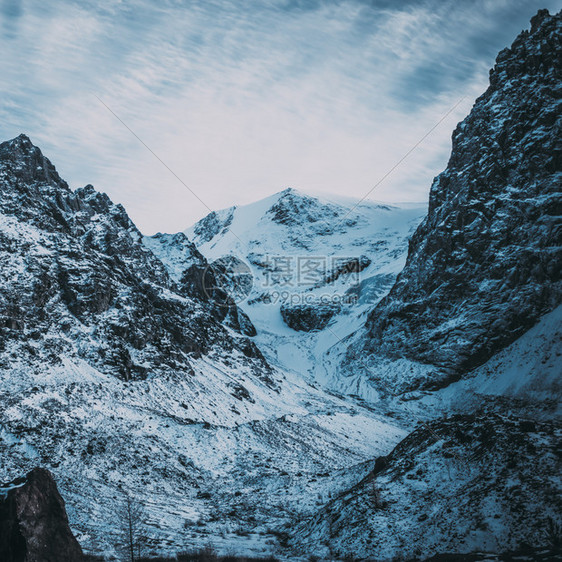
x: 33, y: 522
x: 486, y: 262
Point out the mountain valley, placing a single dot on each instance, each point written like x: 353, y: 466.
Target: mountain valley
x: 304, y: 377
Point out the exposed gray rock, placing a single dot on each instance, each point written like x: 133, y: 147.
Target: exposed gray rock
x: 309, y: 317
x: 292, y: 208
x: 214, y: 223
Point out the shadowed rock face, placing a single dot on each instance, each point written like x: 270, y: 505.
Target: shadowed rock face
x: 486, y: 262
x: 308, y: 317
x: 33, y: 522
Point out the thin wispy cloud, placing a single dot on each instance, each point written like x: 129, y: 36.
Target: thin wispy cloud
x: 242, y: 100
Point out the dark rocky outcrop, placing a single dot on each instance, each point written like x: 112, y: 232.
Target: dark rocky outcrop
x: 486, y: 263
x: 293, y: 208
x: 309, y: 317
x: 214, y: 223
x: 33, y: 522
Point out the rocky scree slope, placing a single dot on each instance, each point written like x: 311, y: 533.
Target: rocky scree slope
x: 485, y: 264
x: 467, y: 483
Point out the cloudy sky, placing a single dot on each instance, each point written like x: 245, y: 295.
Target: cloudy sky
x: 241, y: 99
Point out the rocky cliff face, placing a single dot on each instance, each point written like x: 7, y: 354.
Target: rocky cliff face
x: 486, y: 262
x: 78, y: 278
x: 33, y: 522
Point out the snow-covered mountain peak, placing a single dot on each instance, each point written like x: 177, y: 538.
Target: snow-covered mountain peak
x: 18, y: 146
x: 26, y: 162
x: 318, y: 262
x: 295, y: 220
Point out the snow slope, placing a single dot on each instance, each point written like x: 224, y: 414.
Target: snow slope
x: 529, y: 372
x: 488, y: 481
x: 206, y: 465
